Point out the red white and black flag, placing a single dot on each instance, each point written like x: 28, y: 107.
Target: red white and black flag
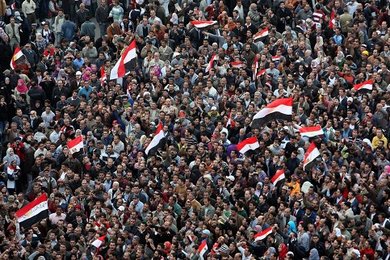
x: 311, y: 131
x: 158, y: 136
x: 18, y: 58
x: 33, y: 212
x: 211, y: 64
x: 126, y: 63
x: 279, y: 109
x: 263, y: 234
x: 202, y: 24
x: 248, y: 144
x: 76, y: 144
x: 310, y: 157
x: 260, y: 34
x: 279, y: 176
x: 366, y: 85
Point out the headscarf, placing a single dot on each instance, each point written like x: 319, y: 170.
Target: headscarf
x: 314, y: 254
x: 22, y: 87
x: 291, y: 227
x: 283, y: 251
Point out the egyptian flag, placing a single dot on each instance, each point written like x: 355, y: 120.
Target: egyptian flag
x: 366, y: 85
x: 279, y: 175
x: 17, y: 58
x: 158, y: 136
x: 276, y: 58
x: 260, y: 34
x: 98, y: 242
x: 103, y: 76
x: 211, y: 63
x: 230, y: 121
x: 202, y: 249
x: 260, y: 73
x: 311, y: 131
x: 311, y: 154
x: 33, y: 212
x: 263, y: 234
x: 332, y: 21
x: 126, y: 63
x: 237, y: 64
x: 76, y: 144
x: 279, y: 109
x: 250, y: 143
x: 255, y: 67
x: 202, y: 24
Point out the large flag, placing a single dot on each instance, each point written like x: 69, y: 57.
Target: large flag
x: 17, y: 58
x: 202, y: 24
x: 263, y: 234
x: 98, y: 242
x: 279, y: 175
x: 202, y: 249
x: 158, y: 136
x: 366, y: 85
x: 311, y: 131
x: 76, y: 144
x: 260, y: 34
x: 279, y: 109
x: 33, y: 212
x: 126, y: 63
x: 211, y: 64
x: 311, y: 154
x: 250, y: 143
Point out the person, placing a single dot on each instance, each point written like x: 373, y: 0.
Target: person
x: 68, y: 29
x: 12, y: 30
x: 101, y: 15
x: 169, y: 158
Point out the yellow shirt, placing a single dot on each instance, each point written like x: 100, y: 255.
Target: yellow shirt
x: 296, y: 187
x: 376, y: 139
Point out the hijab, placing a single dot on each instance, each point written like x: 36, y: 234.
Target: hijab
x: 283, y: 251
x: 314, y: 254
x: 291, y: 227
x: 21, y: 87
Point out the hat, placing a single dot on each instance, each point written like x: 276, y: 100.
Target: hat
x: 206, y: 232
x: 365, y: 53
x: 78, y: 73
x: 368, y: 142
x: 213, y: 108
x: 350, y: 99
x: 121, y: 208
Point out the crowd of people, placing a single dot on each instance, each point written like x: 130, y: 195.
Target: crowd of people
x: 196, y: 186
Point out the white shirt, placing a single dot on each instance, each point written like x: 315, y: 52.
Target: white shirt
x: 28, y: 7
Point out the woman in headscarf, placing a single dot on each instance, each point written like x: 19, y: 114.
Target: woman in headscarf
x: 21, y: 88
x: 12, y: 171
x: 282, y: 249
x: 10, y: 157
x: 314, y: 254
x: 292, y: 227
